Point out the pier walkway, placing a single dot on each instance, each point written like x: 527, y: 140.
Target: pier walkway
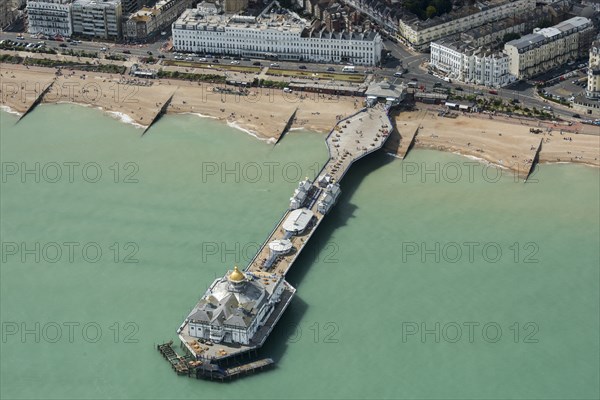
x: 350, y: 140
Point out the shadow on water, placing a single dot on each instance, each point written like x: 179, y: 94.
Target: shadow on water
x: 286, y: 329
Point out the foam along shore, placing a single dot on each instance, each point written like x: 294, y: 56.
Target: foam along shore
x: 506, y: 143
x: 264, y: 113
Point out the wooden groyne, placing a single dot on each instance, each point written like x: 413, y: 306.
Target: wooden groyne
x: 37, y: 100
x: 163, y: 110
x: 287, y: 126
x: 410, y: 140
x: 535, y: 161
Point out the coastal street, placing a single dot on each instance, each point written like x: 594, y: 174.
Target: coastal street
x: 409, y: 63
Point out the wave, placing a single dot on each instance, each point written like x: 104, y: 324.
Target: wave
x: 200, y: 115
x: 9, y: 110
x: 234, y: 124
x: 125, y: 118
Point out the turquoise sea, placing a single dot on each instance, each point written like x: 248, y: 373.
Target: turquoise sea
x: 433, y: 278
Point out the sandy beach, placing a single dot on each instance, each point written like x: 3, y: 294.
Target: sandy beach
x: 500, y: 140
x: 265, y: 112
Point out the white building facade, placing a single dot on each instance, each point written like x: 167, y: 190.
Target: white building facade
x: 593, y: 84
x: 50, y: 17
x: 419, y: 34
x: 547, y: 48
x: 97, y: 18
x: 233, y: 308
x: 272, y: 35
x: 475, y: 66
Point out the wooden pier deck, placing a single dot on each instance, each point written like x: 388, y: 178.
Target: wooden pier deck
x: 350, y: 140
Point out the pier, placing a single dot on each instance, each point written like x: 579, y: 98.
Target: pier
x: 351, y: 139
x: 238, y: 311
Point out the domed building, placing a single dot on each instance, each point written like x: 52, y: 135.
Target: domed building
x: 234, y: 308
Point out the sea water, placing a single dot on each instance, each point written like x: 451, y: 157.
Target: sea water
x: 433, y: 277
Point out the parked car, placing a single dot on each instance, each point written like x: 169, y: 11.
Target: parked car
x: 235, y: 62
x: 126, y: 52
x: 274, y: 65
x: 398, y: 74
x: 302, y: 67
x: 62, y: 45
x: 458, y: 88
x: 493, y: 92
x: 576, y: 116
x: 202, y: 59
x: 478, y: 93
x: 330, y: 69
x: 437, y: 84
x: 257, y: 63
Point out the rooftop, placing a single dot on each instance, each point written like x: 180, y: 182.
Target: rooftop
x: 281, y: 20
x: 417, y: 24
x: 97, y: 3
x: 541, y: 35
x: 271, y: 19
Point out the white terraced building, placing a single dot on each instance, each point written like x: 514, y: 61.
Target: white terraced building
x: 550, y: 47
x: 477, y: 66
x: 50, y: 17
x: 418, y: 34
x: 279, y: 34
x: 97, y: 18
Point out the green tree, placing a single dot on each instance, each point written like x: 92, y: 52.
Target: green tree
x: 430, y: 12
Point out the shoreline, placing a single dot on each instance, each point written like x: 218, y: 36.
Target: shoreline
x: 264, y: 113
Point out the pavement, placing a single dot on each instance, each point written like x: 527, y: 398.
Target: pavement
x: 401, y: 59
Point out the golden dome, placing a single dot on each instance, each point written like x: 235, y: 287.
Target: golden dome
x: 236, y: 275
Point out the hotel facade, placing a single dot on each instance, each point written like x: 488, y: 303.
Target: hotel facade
x: 50, y: 17
x: 149, y: 21
x: 277, y: 34
x: 466, y: 64
x: 419, y: 34
x: 551, y: 47
x: 97, y: 18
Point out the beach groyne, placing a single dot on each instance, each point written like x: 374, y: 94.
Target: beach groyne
x: 37, y: 100
x: 161, y: 111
